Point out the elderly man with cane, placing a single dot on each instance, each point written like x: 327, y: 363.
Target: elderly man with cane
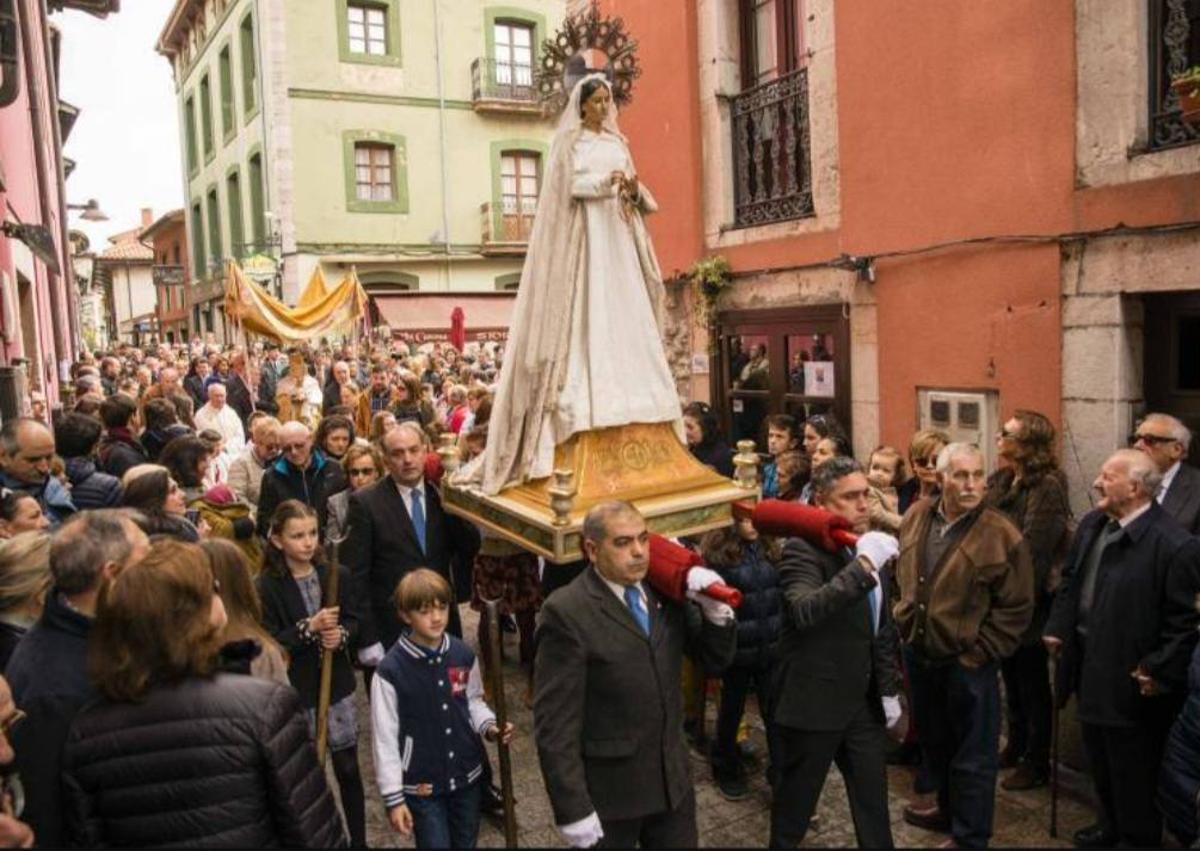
x: 1123, y: 628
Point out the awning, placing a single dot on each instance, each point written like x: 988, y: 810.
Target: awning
x: 421, y: 318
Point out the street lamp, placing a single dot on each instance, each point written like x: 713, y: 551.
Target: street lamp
x: 91, y: 211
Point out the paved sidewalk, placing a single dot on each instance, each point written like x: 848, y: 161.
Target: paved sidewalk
x: 1022, y: 819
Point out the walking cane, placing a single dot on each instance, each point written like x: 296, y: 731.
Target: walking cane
x: 331, y: 600
x: 497, y: 671
x: 1054, y: 745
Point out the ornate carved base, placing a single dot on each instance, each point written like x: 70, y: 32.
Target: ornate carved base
x: 641, y: 463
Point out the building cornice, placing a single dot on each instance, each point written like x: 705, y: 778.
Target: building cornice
x: 182, y: 15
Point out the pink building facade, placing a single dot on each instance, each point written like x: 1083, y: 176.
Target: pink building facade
x: 38, y: 303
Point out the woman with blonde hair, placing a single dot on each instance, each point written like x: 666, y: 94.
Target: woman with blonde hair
x: 923, y: 451
x: 363, y: 465
x: 248, y: 648
x: 24, y: 581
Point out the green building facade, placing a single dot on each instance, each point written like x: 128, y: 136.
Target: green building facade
x: 400, y: 137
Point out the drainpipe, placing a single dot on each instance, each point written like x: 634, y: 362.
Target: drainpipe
x: 437, y: 52
x: 68, y: 275
x: 61, y: 346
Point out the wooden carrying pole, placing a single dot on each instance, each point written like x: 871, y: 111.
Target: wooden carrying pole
x: 1054, y: 731
x: 331, y: 600
x: 496, y: 668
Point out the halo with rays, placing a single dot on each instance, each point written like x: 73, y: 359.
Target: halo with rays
x: 586, y: 43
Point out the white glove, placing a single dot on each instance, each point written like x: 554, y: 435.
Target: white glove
x: 371, y: 656
x: 891, y: 710
x: 714, y: 611
x: 699, y: 578
x: 583, y: 833
x: 877, y: 548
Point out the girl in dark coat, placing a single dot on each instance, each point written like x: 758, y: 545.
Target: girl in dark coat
x: 292, y: 589
x: 174, y: 753
x: 748, y: 563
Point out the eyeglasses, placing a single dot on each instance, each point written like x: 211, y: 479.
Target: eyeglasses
x: 929, y: 463
x: 362, y: 471
x: 294, y: 447
x: 1005, y: 434
x: 1150, y: 439
x: 7, y: 725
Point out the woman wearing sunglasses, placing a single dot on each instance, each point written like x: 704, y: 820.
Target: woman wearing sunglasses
x: 364, y: 467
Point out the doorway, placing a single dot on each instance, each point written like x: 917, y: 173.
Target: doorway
x: 794, y: 361
x: 1171, y: 369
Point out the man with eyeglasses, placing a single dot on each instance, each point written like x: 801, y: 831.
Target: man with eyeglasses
x: 1166, y: 440
x: 302, y: 473
x: 14, y: 833
x: 965, y: 582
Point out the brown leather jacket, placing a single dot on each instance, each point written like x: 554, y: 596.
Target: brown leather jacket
x: 977, y: 601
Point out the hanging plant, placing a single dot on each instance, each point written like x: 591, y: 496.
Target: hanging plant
x: 1187, y: 88
x: 710, y: 277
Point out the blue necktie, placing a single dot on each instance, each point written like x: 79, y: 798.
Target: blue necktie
x: 418, y: 516
x: 633, y: 599
x: 873, y: 602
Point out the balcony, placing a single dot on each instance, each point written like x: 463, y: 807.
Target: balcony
x: 504, y: 235
x: 501, y: 87
x: 772, y: 172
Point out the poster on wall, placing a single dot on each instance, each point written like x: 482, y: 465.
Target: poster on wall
x: 818, y: 378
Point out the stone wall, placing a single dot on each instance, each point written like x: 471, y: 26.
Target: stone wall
x: 1103, y: 343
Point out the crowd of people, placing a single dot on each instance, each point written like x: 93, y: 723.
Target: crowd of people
x: 199, y: 527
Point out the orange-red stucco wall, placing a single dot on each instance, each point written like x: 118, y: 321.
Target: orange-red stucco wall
x: 955, y: 121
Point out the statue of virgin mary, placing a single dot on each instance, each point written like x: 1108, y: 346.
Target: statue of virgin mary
x: 585, y: 347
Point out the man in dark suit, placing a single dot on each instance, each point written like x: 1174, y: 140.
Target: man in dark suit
x: 397, y: 525
x: 239, y: 389
x: 607, y: 707
x: 1165, y: 439
x: 836, y: 681
x: 1124, y: 625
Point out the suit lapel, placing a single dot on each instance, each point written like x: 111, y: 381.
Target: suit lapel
x: 1178, y: 493
x: 654, y: 606
x: 612, y: 607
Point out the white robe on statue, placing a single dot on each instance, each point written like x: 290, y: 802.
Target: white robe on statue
x: 585, y: 347
x: 617, y: 372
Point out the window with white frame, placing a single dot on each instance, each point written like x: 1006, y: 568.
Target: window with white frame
x: 367, y: 29
x: 374, y: 166
x: 514, y: 53
x: 519, y: 183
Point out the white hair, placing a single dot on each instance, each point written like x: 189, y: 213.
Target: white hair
x: 1175, y: 428
x: 952, y: 450
x: 1141, y: 469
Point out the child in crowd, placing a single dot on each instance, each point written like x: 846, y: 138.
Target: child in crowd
x: 248, y: 648
x: 747, y: 563
x: 429, y: 682
x: 792, y: 469
x: 885, y: 473
x: 783, y: 435
x: 291, y: 588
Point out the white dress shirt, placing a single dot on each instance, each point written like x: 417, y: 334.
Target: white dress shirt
x: 1167, y: 478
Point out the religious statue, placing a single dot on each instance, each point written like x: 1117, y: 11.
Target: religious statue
x: 298, y: 394
x: 585, y: 348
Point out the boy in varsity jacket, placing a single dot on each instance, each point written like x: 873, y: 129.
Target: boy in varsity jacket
x: 427, y: 716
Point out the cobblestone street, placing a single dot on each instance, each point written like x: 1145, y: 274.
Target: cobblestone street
x: 1022, y: 819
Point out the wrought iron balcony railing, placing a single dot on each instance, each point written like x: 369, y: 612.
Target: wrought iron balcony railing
x: 772, y: 172
x: 503, y: 233
x: 503, y: 83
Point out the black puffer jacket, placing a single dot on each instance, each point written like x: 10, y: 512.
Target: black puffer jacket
x: 221, y: 761
x: 89, y: 487
x: 759, y: 620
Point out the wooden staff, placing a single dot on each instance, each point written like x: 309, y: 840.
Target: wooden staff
x: 331, y: 600
x: 496, y: 666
